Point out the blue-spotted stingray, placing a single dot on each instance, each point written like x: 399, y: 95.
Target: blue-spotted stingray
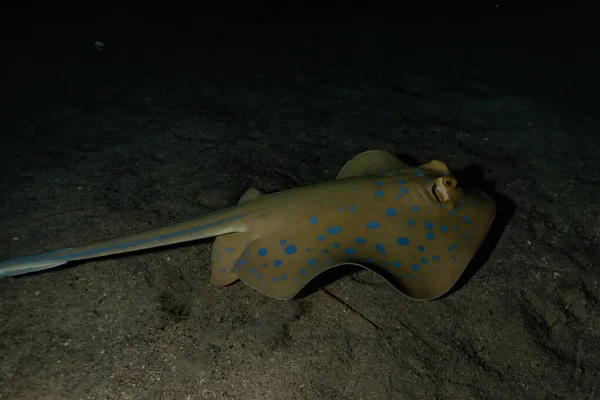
x: 413, y: 226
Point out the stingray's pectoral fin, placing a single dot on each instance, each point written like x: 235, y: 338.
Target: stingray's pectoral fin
x: 227, y: 249
x: 371, y: 162
x: 421, y: 252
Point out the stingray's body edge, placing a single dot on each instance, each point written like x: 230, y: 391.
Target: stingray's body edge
x: 313, y: 223
x: 266, y: 240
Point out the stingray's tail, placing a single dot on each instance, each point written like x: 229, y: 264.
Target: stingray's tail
x: 26, y: 265
x: 219, y: 223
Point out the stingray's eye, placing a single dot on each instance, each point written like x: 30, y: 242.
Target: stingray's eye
x: 440, y: 188
x: 450, y: 182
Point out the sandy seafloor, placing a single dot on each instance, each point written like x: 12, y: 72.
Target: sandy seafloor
x: 151, y: 132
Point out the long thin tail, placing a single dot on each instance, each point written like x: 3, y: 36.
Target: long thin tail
x: 215, y: 224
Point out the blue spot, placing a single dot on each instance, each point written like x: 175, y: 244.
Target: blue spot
x: 411, y: 222
x: 456, y: 227
x: 379, y: 183
x: 308, y: 249
x: 295, y: 279
x: 265, y: 265
x: 404, y: 190
x: 450, y: 249
x: 262, y: 252
x: 436, y: 258
x: 453, y: 212
x: 350, y: 250
x: 409, y: 276
x: 430, y: 236
x: 401, y: 181
x: 398, y: 196
x: 312, y: 261
x: 223, y: 269
x: 420, y: 175
x: 313, y: 220
x: 325, y: 251
x: 320, y: 238
x: 380, y: 248
x: 421, y: 248
x: 236, y: 269
x: 390, y: 212
x: 235, y: 262
x: 403, y: 241
x: 246, y: 254
x: 352, y: 208
x: 303, y: 271
x: 437, y: 272
x: 396, y: 264
x: 243, y: 261
x: 291, y: 249
x: 229, y: 249
x: 361, y: 240
x: 424, y: 260
x: 467, y: 220
x: 335, y: 245
x: 341, y: 210
x: 373, y: 225
x: 429, y: 225
x: 415, y: 267
x: 266, y: 282
x: 219, y: 255
x: 277, y: 263
x: 444, y: 228
x: 379, y: 193
x: 414, y: 208
x: 334, y: 230
x: 253, y: 271
x: 282, y: 242
x: 283, y: 277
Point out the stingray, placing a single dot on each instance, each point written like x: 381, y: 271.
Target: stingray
x: 414, y: 226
